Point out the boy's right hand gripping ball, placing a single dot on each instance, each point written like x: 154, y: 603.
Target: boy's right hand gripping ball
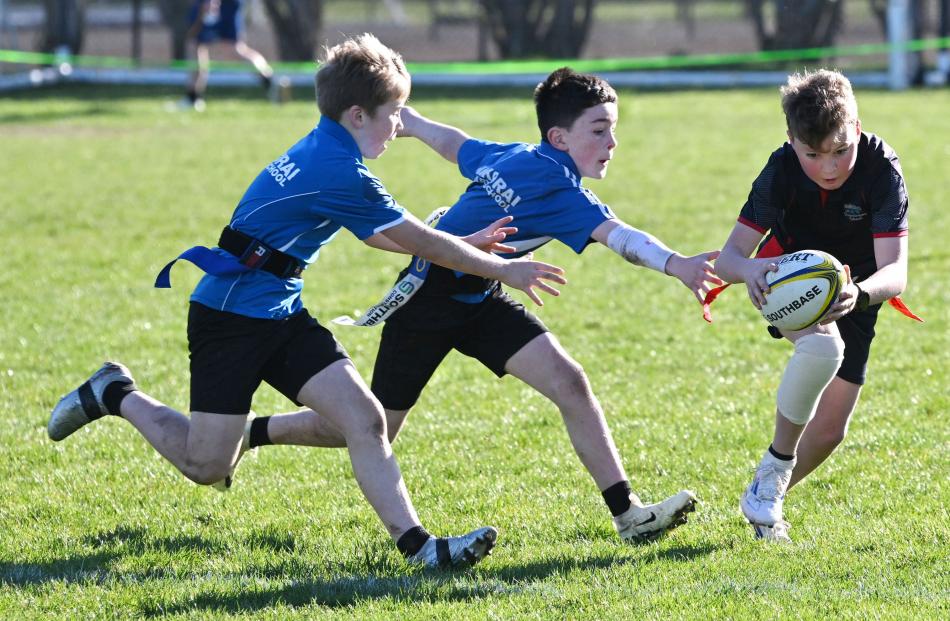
x: 803, y: 289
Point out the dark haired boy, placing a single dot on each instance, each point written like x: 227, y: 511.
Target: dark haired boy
x: 540, y: 185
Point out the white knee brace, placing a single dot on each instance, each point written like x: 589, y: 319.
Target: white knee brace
x: 809, y: 370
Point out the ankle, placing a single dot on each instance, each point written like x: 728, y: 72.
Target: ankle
x: 411, y: 541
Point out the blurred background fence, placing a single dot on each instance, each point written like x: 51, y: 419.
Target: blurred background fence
x: 899, y: 42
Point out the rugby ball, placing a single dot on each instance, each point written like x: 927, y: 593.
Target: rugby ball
x: 803, y: 289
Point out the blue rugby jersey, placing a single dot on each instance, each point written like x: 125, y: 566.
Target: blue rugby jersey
x: 537, y: 184
x: 297, y: 204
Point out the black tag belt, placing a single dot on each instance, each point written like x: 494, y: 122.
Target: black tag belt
x: 255, y: 254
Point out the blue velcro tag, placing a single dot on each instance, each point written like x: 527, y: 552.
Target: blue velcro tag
x: 205, y: 258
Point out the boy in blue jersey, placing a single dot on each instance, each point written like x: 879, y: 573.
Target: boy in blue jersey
x: 540, y: 185
x: 213, y: 22
x: 834, y: 188
x: 246, y: 322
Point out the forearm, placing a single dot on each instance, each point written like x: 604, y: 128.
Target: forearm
x: 884, y: 284
x: 444, y: 249
x: 636, y: 246
x: 453, y: 253
x: 443, y: 139
x: 731, y: 266
x: 381, y: 242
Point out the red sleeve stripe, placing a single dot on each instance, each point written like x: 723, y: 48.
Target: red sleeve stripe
x: 752, y: 225
x: 891, y: 234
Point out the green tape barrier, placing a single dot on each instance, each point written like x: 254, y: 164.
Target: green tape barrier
x: 509, y: 67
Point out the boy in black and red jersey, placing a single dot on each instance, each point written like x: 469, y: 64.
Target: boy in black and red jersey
x: 834, y: 188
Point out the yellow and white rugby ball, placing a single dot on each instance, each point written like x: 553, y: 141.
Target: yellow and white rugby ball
x: 803, y: 289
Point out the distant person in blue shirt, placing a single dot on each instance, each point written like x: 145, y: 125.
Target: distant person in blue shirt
x: 246, y: 322
x: 219, y: 22
x: 540, y: 185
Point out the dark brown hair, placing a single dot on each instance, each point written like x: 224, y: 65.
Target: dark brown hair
x: 564, y: 96
x: 818, y: 104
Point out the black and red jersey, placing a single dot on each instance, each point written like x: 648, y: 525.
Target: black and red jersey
x: 800, y: 215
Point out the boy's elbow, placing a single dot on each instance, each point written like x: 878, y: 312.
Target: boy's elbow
x: 901, y: 286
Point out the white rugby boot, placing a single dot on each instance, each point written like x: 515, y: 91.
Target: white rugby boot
x: 761, y: 503
x: 224, y: 485
x: 642, y: 523
x: 778, y: 532
x: 84, y: 405
x: 453, y: 552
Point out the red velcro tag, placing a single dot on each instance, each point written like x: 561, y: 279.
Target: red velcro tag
x: 898, y: 303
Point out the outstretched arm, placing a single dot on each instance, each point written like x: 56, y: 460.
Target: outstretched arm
x: 489, y: 239
x: 443, y: 139
x: 641, y: 248
x: 453, y: 253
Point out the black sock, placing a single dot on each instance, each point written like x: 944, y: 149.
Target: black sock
x: 412, y: 540
x: 258, y: 435
x: 113, y: 395
x: 778, y: 455
x: 266, y: 81
x: 617, y: 497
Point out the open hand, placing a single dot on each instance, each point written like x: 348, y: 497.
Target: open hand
x: 526, y: 274
x: 696, y: 272
x: 489, y: 238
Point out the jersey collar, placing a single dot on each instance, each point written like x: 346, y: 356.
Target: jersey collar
x: 335, y: 130
x: 561, y: 157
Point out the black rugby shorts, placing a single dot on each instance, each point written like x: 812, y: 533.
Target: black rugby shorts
x: 857, y: 332
x: 417, y: 338
x: 232, y: 354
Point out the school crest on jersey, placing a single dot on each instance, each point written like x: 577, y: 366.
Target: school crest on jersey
x: 854, y: 213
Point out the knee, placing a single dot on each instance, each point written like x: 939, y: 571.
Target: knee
x: 365, y: 422
x: 206, y: 472
x: 830, y: 438
x: 569, y: 383
x: 807, y: 374
x: 375, y: 425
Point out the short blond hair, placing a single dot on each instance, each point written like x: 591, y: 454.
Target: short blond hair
x: 363, y: 72
x: 817, y: 104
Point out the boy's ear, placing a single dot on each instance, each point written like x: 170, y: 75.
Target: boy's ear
x: 555, y: 136
x: 355, y: 115
x: 857, y: 126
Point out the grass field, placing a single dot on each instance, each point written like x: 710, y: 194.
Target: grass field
x: 99, y: 188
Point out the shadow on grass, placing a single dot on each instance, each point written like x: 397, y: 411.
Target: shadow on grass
x: 41, y: 115
x: 120, y: 544
x: 295, y: 582
x: 424, y: 585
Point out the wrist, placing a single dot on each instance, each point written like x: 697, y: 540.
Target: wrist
x: 669, y: 267
x: 863, y: 299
